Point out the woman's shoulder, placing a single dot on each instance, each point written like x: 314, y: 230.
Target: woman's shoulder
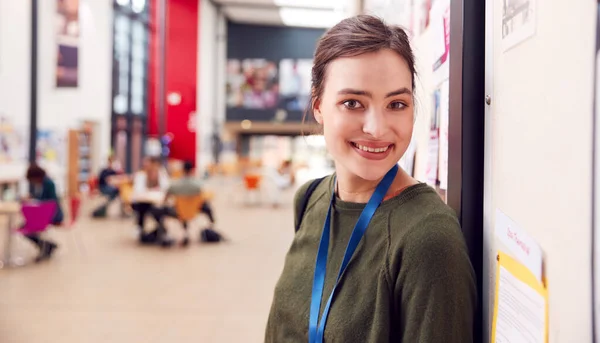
x: 317, y: 187
x: 48, y: 182
x: 423, y: 215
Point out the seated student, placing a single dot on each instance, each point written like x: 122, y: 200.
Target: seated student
x: 189, y: 186
x: 42, y: 188
x: 286, y: 175
x: 110, y: 191
x: 152, y: 177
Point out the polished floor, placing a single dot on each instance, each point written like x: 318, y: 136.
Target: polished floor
x: 102, y: 286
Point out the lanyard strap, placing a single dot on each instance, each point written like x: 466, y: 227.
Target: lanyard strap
x: 316, y: 328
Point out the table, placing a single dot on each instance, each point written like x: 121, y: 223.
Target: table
x: 118, y: 180
x: 9, y: 209
x: 8, y: 184
x: 155, y: 198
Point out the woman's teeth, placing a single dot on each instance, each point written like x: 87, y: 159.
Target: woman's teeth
x: 375, y: 150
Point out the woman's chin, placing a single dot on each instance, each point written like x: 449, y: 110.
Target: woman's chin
x: 370, y: 171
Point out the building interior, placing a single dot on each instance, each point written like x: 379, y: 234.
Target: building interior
x: 505, y: 130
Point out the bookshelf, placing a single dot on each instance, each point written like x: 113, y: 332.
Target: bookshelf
x: 80, y: 160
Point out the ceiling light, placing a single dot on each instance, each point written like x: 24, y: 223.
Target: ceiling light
x: 310, y: 3
x: 246, y: 124
x: 309, y: 18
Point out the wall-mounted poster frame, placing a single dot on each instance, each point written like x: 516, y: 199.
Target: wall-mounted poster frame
x: 67, y: 43
x: 596, y: 192
x: 466, y: 132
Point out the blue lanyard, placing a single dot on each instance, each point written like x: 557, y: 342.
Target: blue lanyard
x: 316, y: 329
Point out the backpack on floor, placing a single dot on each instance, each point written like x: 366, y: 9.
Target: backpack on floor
x: 100, y: 212
x: 149, y: 237
x: 211, y: 236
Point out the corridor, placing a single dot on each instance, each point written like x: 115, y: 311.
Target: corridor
x: 104, y: 287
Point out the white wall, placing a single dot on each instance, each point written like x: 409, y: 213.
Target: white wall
x: 212, y: 55
x: 58, y: 109
x: 15, y: 31
x: 65, y: 108
x: 541, y: 153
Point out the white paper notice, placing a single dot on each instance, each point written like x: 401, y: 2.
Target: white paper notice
x: 525, y: 249
x: 521, y: 311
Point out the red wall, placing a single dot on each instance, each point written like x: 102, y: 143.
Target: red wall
x: 181, y: 70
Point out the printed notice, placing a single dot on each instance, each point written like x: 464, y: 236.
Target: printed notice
x: 523, y: 246
x: 520, y: 310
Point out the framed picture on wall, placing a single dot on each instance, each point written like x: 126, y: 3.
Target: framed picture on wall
x: 294, y: 84
x: 252, y: 84
x: 67, y: 40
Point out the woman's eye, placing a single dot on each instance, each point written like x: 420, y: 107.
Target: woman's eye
x: 352, y: 104
x: 397, y: 105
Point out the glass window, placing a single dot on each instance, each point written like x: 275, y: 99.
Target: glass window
x: 138, y: 6
x: 131, y: 37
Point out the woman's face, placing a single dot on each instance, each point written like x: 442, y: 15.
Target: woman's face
x: 367, y: 112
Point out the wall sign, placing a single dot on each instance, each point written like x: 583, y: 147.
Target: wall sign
x: 67, y: 41
x: 518, y: 22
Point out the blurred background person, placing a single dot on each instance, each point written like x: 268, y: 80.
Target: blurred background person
x: 188, y: 185
x: 106, y: 188
x: 42, y: 188
x: 148, y: 184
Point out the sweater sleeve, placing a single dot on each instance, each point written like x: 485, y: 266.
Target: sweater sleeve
x: 436, y: 286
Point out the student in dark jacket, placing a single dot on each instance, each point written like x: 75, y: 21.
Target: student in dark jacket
x: 42, y: 188
x: 111, y: 192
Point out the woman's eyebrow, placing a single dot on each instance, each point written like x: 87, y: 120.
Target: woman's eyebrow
x: 351, y: 91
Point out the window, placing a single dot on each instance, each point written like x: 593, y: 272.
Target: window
x: 130, y: 74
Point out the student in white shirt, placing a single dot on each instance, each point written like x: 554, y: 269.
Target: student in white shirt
x: 153, y: 177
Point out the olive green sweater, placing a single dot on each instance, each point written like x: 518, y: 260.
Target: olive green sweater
x: 410, y: 279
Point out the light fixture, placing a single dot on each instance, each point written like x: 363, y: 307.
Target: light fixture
x: 138, y: 5
x: 304, y: 17
x: 246, y: 124
x: 174, y: 98
x: 310, y: 3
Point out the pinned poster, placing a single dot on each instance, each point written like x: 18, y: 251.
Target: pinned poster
x: 520, y: 305
x: 519, y: 243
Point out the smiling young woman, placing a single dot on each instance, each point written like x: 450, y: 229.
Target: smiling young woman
x: 378, y: 257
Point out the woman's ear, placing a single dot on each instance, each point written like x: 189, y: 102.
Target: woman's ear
x: 317, y: 112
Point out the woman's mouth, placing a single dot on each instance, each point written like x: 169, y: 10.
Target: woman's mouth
x: 372, y: 151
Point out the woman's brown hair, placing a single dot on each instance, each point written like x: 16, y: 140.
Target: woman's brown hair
x: 35, y: 172
x: 356, y: 36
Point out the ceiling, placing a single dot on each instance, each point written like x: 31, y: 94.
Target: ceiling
x: 300, y: 13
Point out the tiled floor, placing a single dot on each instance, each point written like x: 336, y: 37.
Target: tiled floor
x: 103, y: 287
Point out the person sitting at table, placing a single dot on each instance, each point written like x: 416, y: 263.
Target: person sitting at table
x: 111, y: 192
x: 151, y: 178
x: 42, y: 188
x: 186, y: 186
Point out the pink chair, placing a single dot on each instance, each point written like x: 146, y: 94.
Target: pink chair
x: 38, y: 216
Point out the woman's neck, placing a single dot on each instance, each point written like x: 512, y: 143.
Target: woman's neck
x: 352, y: 188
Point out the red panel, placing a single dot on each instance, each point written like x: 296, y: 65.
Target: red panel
x: 153, y: 59
x: 182, y: 51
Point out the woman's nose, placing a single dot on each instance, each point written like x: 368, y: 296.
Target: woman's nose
x: 375, y: 124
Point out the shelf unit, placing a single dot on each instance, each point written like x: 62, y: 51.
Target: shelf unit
x: 80, y: 160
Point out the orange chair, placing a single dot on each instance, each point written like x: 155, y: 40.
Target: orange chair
x: 187, y: 208
x: 126, y: 193
x: 252, y: 184
x: 252, y: 181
